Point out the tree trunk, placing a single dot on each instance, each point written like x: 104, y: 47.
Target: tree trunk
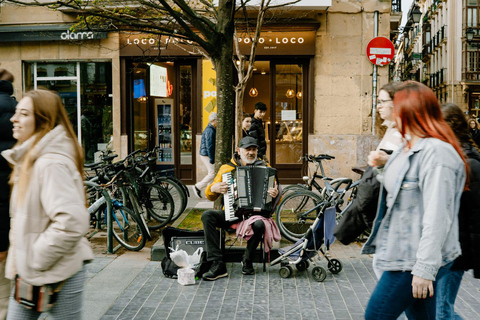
x: 225, y: 94
x: 239, y: 95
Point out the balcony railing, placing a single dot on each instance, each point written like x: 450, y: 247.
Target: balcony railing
x: 437, y: 78
x: 426, y: 50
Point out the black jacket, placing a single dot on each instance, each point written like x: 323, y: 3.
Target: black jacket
x: 469, y: 217
x: 258, y: 132
x: 359, y: 216
x: 475, y: 136
x: 7, y: 109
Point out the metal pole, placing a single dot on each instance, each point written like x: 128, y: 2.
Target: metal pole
x: 374, y: 78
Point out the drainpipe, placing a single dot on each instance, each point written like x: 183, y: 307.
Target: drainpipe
x: 374, y: 78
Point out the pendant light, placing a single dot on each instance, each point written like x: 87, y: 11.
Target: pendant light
x: 290, y: 92
x: 253, y: 91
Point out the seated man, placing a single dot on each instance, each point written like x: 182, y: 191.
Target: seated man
x: 212, y: 219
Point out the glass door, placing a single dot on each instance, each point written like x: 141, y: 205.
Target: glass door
x: 287, y: 133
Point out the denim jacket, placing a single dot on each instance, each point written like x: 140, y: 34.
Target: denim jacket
x: 418, y: 230
x: 207, y: 144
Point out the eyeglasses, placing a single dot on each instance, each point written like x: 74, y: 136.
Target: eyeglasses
x: 382, y: 102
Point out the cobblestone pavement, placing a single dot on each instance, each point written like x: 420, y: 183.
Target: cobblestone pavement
x: 263, y: 296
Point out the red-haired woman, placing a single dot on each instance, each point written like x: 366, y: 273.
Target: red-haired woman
x: 415, y: 231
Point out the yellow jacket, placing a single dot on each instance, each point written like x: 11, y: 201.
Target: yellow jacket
x: 234, y: 162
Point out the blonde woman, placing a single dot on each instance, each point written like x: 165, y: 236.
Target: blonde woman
x: 49, y: 217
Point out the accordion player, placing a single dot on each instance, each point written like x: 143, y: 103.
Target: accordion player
x: 247, y: 191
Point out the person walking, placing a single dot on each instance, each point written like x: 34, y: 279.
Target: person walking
x: 207, y: 154
x: 415, y: 231
x: 450, y: 276
x: 257, y: 130
x: 47, y: 207
x: 7, y: 109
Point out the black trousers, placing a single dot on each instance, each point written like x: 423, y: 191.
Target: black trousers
x: 213, y: 219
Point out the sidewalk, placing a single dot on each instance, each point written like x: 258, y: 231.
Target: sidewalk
x: 133, y: 287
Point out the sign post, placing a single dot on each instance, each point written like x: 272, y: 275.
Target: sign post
x: 380, y: 51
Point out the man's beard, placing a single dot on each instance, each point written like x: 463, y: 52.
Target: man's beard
x: 246, y: 160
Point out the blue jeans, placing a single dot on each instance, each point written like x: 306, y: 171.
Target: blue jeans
x: 393, y: 295
x: 448, y: 283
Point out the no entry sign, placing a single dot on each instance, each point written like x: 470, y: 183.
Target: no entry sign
x: 380, y: 51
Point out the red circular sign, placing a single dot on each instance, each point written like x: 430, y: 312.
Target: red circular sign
x: 380, y: 51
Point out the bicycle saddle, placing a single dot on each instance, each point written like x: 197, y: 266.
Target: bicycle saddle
x: 108, y: 158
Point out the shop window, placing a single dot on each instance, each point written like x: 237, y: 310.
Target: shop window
x: 93, y: 120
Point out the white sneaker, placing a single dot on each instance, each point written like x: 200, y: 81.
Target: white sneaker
x: 197, y: 192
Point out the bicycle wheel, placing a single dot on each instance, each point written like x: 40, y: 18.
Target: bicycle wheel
x: 127, y: 229
x: 159, y: 206
x: 93, y: 193
x: 294, y: 188
x: 178, y: 195
x: 296, y: 213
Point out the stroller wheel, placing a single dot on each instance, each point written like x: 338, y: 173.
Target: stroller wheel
x: 302, y: 265
x: 285, y: 272
x: 334, y: 266
x: 319, y: 274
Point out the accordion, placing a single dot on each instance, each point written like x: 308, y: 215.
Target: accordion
x: 247, y: 190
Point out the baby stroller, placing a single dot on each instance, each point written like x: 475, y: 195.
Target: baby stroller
x: 305, y: 250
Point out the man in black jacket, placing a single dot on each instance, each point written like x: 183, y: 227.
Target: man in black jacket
x: 7, y: 110
x: 256, y: 129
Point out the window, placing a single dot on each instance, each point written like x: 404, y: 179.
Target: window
x: 84, y: 84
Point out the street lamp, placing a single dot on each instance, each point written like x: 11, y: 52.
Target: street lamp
x: 470, y: 33
x: 416, y: 14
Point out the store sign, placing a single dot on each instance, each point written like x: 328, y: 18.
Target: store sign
x: 280, y: 43
x: 16, y: 34
x: 67, y: 35
x: 138, y: 44
x: 269, y: 43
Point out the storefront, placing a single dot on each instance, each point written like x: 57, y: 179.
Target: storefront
x: 159, y: 100
x: 283, y: 79
x: 47, y: 56
x: 164, y: 106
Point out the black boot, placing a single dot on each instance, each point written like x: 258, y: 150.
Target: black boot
x: 247, y: 266
x: 217, y: 270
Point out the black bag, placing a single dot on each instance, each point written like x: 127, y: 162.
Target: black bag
x: 203, y: 266
x: 168, y: 266
x: 360, y: 215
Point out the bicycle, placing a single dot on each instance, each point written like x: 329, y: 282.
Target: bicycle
x: 150, y: 202
x: 177, y: 189
x: 126, y: 227
x: 298, y: 210
x: 311, y: 183
x: 300, y: 204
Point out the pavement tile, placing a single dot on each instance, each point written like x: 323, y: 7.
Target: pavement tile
x: 262, y: 296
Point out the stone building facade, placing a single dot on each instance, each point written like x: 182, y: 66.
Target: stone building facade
x: 97, y: 70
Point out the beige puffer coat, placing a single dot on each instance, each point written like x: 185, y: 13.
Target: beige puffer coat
x: 47, y: 242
